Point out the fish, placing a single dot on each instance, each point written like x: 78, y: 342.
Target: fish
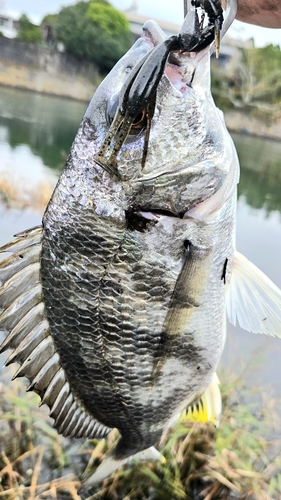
x: 115, y: 308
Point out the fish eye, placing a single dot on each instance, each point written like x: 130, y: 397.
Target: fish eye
x: 139, y: 123
x: 128, y: 69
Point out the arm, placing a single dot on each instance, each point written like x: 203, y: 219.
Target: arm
x: 265, y: 13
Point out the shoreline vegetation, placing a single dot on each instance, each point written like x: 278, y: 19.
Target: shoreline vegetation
x: 54, y: 58
x: 239, y: 460
x: 242, y: 122
x: 236, y: 120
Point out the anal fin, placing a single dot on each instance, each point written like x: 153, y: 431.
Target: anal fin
x: 207, y: 408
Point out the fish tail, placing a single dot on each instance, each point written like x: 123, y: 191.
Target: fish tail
x: 110, y: 464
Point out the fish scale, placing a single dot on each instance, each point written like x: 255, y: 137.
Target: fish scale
x: 108, y: 345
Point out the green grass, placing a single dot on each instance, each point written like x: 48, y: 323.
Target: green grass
x: 240, y: 460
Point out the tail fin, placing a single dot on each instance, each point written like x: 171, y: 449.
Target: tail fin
x: 111, y: 464
x: 206, y: 409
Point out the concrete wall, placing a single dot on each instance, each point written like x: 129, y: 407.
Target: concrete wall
x: 29, y: 66
x: 238, y: 121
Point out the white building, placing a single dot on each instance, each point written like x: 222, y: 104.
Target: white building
x: 8, y: 26
x: 137, y: 21
x: 229, y: 48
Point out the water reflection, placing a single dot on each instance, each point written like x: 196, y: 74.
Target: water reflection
x: 260, y: 179
x: 46, y: 124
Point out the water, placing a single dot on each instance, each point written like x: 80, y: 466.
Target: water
x: 36, y: 130
x: 36, y: 133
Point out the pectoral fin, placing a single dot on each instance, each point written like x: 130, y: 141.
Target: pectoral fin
x: 186, y: 298
x: 252, y: 299
x: 189, y: 288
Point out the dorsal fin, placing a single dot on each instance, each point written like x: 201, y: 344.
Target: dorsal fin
x: 22, y: 318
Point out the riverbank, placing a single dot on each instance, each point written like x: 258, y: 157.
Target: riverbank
x: 45, y: 70
x: 237, y: 121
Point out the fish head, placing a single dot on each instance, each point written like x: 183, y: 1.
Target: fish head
x: 103, y: 105
x: 188, y: 150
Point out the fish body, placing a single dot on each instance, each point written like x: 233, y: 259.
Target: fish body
x: 116, y: 308
x: 131, y: 282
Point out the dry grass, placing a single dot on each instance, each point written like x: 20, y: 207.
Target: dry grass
x: 14, y: 196
x: 33, y: 457
x: 239, y: 461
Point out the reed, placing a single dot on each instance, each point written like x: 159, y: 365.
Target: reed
x: 240, y: 460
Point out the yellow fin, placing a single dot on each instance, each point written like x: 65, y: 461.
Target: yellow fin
x: 207, y: 408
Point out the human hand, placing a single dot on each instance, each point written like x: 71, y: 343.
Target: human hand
x: 265, y: 13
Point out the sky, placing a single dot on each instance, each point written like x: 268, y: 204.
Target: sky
x: 155, y: 9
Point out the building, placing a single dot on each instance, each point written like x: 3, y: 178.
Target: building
x: 137, y: 21
x: 8, y: 26
x: 229, y: 48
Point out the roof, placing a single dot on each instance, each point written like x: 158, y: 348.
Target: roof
x: 136, y: 20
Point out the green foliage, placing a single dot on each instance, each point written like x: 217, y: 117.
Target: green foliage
x: 49, y: 19
x: 107, y: 18
x: 263, y: 60
x: 252, y: 82
x: 28, y: 32
x: 94, y: 31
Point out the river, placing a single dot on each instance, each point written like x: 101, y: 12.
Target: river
x: 36, y: 132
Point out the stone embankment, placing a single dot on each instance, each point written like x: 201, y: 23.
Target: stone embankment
x: 237, y: 121
x: 42, y: 69
x: 32, y: 67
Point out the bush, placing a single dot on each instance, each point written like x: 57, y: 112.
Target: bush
x: 28, y: 32
x: 94, y: 31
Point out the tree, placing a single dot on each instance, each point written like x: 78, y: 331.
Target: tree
x: 94, y: 31
x: 252, y: 83
x: 28, y: 32
x: 48, y: 27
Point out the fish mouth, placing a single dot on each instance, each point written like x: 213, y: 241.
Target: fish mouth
x: 181, y: 68
x: 137, y: 98
x: 180, y: 65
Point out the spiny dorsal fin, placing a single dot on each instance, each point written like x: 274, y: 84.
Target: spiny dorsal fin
x: 23, y: 320
x: 24, y: 239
